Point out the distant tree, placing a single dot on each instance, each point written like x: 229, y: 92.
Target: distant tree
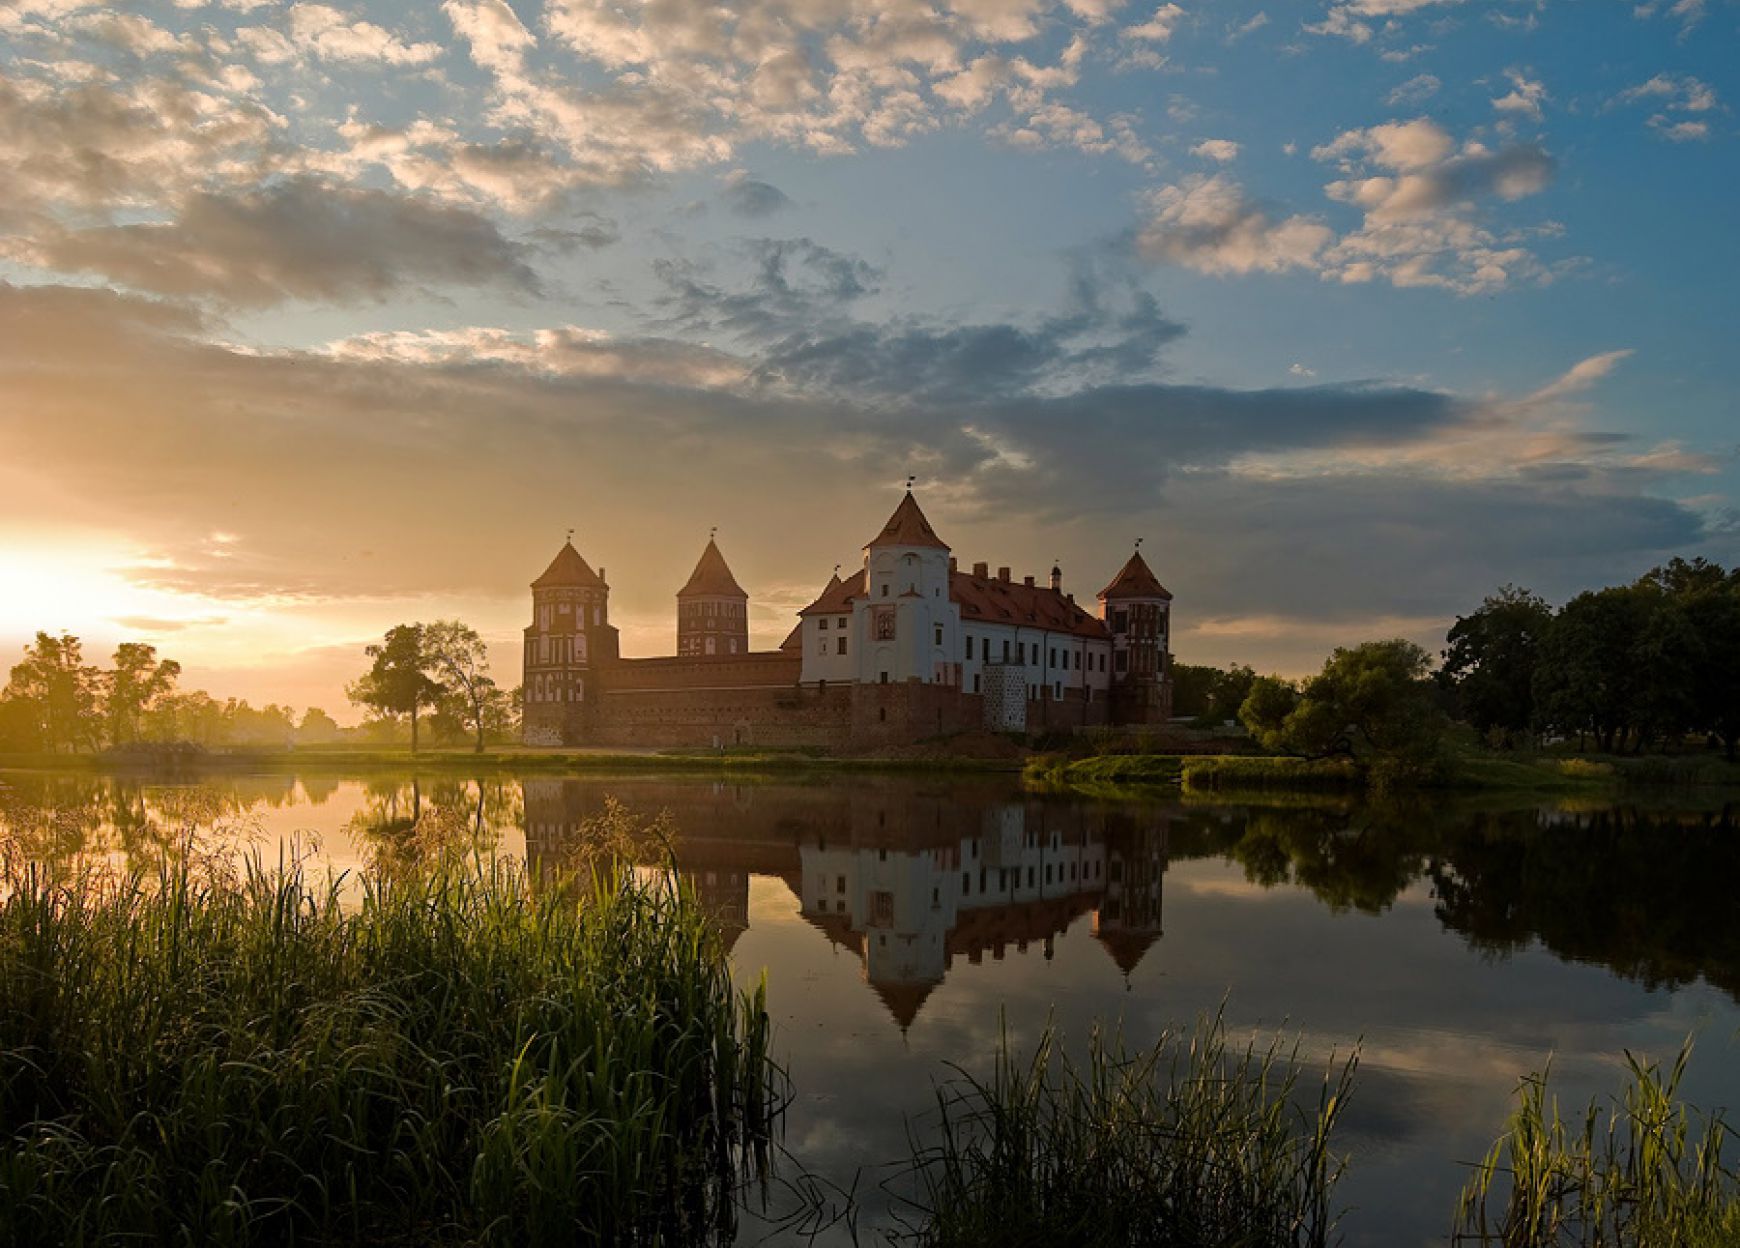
x: 1228, y: 692
x: 1587, y: 679
x: 59, y: 694
x: 460, y: 661
x: 1191, y: 686
x: 137, y: 683
x: 317, y: 728
x: 1700, y: 654
x: 398, y: 682
x: 1373, y: 699
x: 1490, y: 662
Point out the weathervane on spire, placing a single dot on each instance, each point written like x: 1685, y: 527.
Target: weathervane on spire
x: 836, y: 569
x: 712, y: 533
x: 570, y: 535
x: 1138, y: 543
x: 910, y: 478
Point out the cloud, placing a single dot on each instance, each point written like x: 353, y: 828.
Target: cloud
x: 1223, y: 151
x: 1525, y: 97
x: 1209, y: 224
x: 331, y: 35
x: 1675, y: 93
x: 1159, y: 27
x: 1416, y: 90
x: 749, y: 197
x: 299, y: 239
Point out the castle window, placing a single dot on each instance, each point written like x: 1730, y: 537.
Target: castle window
x: 842, y: 621
x: 734, y: 645
x: 824, y: 624
x: 1120, y: 621
x: 1051, y: 657
x: 839, y: 645
x: 839, y: 884
x: 966, y: 884
x: 1021, y: 652
x: 709, y: 640
x: 939, y: 632
x: 1058, y: 689
x: 975, y: 682
x: 885, y: 589
x: 1005, y: 649
x: 884, y: 680
x: 1123, y: 663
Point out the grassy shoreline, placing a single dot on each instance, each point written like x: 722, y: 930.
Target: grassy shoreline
x: 1222, y: 776
x: 508, y: 761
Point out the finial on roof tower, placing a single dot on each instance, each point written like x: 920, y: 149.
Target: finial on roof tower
x: 570, y: 535
x: 712, y: 533
x: 1138, y: 543
x: 910, y: 478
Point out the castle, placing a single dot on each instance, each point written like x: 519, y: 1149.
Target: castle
x: 909, y: 646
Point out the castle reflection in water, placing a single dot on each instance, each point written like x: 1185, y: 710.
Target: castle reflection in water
x: 907, y: 879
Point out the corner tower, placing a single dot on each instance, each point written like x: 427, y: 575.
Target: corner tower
x: 712, y: 610
x: 1137, y: 611
x: 906, y: 618
x: 569, y: 639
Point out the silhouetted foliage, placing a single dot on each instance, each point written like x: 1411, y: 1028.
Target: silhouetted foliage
x: 398, y: 683
x: 1491, y: 659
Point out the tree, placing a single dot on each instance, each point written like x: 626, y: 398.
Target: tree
x: 1373, y: 699
x: 317, y: 728
x: 460, y: 660
x: 1490, y: 662
x: 398, y: 682
x: 59, y: 692
x: 1587, y: 678
x: 139, y: 681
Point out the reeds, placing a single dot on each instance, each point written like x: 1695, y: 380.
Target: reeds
x: 1231, y: 772
x: 1187, y: 1144
x: 443, y: 1055
x: 1646, y: 1171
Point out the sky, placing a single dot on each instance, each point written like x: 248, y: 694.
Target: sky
x: 319, y: 318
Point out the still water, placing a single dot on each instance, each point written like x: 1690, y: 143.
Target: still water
x: 901, y: 923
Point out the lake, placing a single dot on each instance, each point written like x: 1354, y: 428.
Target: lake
x: 903, y: 923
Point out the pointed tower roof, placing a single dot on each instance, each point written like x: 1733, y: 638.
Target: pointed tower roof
x: 712, y: 577
x: 568, y: 568
x: 1135, y: 580
x: 902, y: 1001
x: 1126, y: 947
x: 908, y: 527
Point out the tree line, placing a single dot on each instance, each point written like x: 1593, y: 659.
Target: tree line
x: 56, y: 701
x: 1653, y: 664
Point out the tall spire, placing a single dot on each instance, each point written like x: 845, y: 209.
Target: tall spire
x: 712, y: 576
x: 908, y: 527
x: 1135, y: 580
x: 568, y: 568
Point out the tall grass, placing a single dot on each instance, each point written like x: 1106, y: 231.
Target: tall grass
x: 247, y: 1056
x: 1646, y: 1172
x: 1235, y: 773
x: 1189, y: 1144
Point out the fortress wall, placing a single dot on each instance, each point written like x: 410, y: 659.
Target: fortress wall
x: 760, y: 668
x: 767, y: 715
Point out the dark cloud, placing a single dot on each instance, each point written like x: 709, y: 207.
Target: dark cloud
x: 590, y: 230
x: 379, y: 475
x: 297, y: 239
x: 748, y: 197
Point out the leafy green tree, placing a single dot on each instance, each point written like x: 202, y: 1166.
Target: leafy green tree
x: 398, y: 682
x: 60, y: 694
x: 1228, y: 692
x: 1587, y: 678
x: 1192, y: 686
x: 138, y: 681
x: 1373, y: 699
x: 460, y: 661
x: 317, y: 728
x: 1490, y: 662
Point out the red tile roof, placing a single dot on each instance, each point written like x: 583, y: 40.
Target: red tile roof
x: 1135, y: 580
x: 983, y: 600
x: 836, y: 597
x: 712, y: 577
x: 908, y: 527
x: 568, y: 568
x: 988, y: 600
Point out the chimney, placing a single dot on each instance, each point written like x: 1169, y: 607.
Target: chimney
x: 954, y: 564
x: 601, y: 571
x: 1056, y: 578
x: 1027, y: 581
x: 982, y: 571
x: 1069, y: 598
x: 1003, y: 575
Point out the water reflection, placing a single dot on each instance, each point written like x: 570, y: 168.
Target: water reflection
x: 905, y: 922
x: 907, y: 879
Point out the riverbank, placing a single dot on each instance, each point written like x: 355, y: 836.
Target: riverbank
x: 514, y: 760
x: 1545, y: 776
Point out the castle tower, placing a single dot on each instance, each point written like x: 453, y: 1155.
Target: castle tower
x: 712, y: 610
x: 906, y: 619
x: 569, y: 639
x: 1137, y: 612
